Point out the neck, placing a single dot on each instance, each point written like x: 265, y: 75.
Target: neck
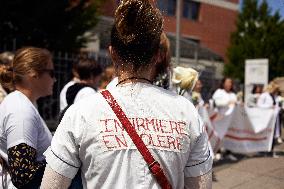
x: 28, y: 93
x: 134, y: 79
x: 227, y: 90
x: 144, y: 76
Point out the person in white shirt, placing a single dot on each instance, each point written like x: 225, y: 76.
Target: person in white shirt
x: 254, y: 96
x: 89, y: 75
x: 268, y: 99
x: 196, y: 97
x: 225, y: 97
x: 23, y: 134
x: 91, y: 137
x: 62, y: 97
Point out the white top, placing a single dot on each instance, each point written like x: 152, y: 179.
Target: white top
x: 90, y: 136
x: 252, y: 99
x: 84, y: 92
x: 3, y: 93
x: 62, y: 97
x: 265, y: 100
x: 20, y: 122
x: 112, y: 84
x: 223, y: 98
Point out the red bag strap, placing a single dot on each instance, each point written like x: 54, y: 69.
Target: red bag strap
x: 153, y: 165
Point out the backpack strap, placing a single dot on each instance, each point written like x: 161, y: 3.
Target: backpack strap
x: 72, y: 91
x: 153, y: 165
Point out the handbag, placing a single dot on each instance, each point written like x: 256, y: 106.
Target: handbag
x: 153, y: 165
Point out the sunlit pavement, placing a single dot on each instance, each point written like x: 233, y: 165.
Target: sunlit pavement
x: 254, y: 171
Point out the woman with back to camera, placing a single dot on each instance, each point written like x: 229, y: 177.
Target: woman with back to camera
x: 24, y: 135
x: 91, y: 137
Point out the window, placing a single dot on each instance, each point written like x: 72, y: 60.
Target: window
x: 191, y: 9
x: 167, y: 6
x: 172, y: 7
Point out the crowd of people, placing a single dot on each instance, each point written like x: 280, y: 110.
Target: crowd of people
x: 93, y: 140
x: 163, y: 142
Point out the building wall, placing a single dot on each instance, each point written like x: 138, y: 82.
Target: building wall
x: 212, y: 29
x: 215, y: 23
x: 108, y: 8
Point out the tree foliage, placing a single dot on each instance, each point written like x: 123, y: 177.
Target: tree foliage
x: 259, y: 34
x: 53, y: 24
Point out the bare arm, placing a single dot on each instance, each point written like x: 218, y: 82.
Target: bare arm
x: 200, y: 182
x: 53, y: 180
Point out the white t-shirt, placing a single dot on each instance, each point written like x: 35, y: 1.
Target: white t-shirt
x: 3, y: 93
x: 222, y: 100
x: 20, y: 122
x: 265, y: 101
x: 112, y: 84
x: 90, y: 136
x: 84, y: 92
x: 62, y: 97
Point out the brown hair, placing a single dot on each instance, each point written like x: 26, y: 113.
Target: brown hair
x: 223, y: 82
x: 86, y: 68
x: 26, y: 60
x: 165, y: 58
x: 135, y: 36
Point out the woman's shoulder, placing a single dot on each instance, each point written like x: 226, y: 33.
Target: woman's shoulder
x: 264, y: 95
x: 16, y: 102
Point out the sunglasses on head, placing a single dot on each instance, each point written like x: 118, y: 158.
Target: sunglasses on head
x: 50, y: 72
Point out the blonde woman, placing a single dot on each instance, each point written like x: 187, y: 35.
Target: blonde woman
x: 268, y: 99
x: 23, y: 134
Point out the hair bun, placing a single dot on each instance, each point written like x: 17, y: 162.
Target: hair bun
x: 6, y: 76
x: 135, y: 18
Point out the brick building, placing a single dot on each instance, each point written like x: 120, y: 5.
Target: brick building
x: 206, y: 26
x: 206, y: 22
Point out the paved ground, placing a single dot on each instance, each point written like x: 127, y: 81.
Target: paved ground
x: 251, y: 172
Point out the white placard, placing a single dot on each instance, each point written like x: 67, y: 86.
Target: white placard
x: 256, y: 72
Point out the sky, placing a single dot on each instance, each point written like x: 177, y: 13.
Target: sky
x: 275, y: 5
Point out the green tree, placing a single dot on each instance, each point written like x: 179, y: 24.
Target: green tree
x: 259, y: 34
x: 53, y: 24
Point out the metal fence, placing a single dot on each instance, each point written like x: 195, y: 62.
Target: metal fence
x: 48, y: 107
